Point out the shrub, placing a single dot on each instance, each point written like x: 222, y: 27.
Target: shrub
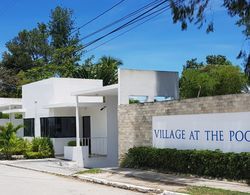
x: 4, y: 116
x: 8, y: 139
x: 73, y: 143
x: 34, y: 155
x: 21, y: 146
x: 41, y: 145
x: 199, y: 162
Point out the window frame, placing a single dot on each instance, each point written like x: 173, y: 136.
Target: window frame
x: 55, y: 127
x: 31, y: 128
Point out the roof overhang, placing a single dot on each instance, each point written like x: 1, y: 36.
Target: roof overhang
x: 9, y: 106
x: 13, y: 111
x: 72, y: 105
x: 109, y: 90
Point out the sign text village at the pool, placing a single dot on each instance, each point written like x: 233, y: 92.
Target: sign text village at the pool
x: 228, y: 132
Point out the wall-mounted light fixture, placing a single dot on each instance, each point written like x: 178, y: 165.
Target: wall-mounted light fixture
x: 102, y: 108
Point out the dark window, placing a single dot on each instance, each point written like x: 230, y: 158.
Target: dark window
x: 29, y: 127
x: 58, y: 127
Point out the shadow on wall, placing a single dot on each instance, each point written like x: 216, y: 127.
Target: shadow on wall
x: 167, y: 85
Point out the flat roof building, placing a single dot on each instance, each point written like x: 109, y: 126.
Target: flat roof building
x: 85, y: 111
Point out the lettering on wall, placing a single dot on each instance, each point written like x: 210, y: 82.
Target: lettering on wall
x: 228, y: 132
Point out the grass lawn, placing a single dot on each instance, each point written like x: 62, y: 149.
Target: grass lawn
x: 211, y: 191
x: 90, y: 171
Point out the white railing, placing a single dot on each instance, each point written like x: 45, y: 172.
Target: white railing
x: 97, y: 145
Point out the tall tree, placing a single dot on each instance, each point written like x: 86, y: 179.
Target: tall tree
x: 64, y: 42
x: 8, y: 83
x: 106, y: 69
x: 196, y: 11
x: 28, y: 49
x: 215, y: 77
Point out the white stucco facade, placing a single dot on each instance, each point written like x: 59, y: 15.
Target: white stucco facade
x: 147, y: 83
x: 86, y: 99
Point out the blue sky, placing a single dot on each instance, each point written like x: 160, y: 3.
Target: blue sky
x: 158, y: 44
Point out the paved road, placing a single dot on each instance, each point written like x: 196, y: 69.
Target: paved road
x: 15, y: 181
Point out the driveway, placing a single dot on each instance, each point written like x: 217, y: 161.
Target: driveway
x: 52, y: 165
x: 16, y: 181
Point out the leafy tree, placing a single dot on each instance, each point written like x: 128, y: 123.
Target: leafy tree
x: 27, y: 50
x: 212, y: 79
x: 48, y: 50
x: 8, y: 83
x: 60, y: 27
x: 8, y: 139
x: 193, y: 64
x: 64, y: 42
x: 196, y: 12
x: 218, y: 59
x: 37, y: 73
x: 106, y: 69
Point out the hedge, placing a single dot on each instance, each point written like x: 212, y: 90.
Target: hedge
x: 198, y: 162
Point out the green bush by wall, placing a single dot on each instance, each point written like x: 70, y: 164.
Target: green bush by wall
x: 203, y: 163
x: 73, y: 143
x: 4, y: 116
x: 40, y: 147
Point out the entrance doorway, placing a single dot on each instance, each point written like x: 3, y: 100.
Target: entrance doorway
x: 86, y: 132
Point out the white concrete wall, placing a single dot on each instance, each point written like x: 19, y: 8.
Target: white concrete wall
x: 112, y: 130
x: 37, y: 95
x: 61, y: 112
x: 147, y: 83
x: 65, y: 86
x: 59, y: 144
x: 10, y: 100
x: 98, y: 125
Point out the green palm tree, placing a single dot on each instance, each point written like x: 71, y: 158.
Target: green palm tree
x: 7, y: 137
x: 107, y: 70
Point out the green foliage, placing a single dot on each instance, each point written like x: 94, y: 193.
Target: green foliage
x: 132, y: 101
x: 37, y: 73
x: 199, y: 79
x: 198, y: 12
x: 48, y: 50
x: 18, y: 116
x: 8, y: 139
x: 203, y: 162
x: 90, y: 171
x: 4, y: 116
x: 106, y: 69
x: 60, y: 27
x: 34, y: 155
x: 8, y: 83
x: 212, y: 191
x: 72, y: 143
x: 10, y: 144
x: 21, y: 146
x: 42, y: 146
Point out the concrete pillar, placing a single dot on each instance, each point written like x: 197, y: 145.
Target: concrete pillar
x: 77, y: 123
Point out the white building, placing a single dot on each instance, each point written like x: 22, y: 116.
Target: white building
x: 67, y: 109
x: 10, y: 106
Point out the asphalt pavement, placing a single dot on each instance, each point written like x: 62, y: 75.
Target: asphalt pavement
x: 15, y: 181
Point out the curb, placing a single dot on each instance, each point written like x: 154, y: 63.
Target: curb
x: 127, y: 186
x: 120, y: 185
